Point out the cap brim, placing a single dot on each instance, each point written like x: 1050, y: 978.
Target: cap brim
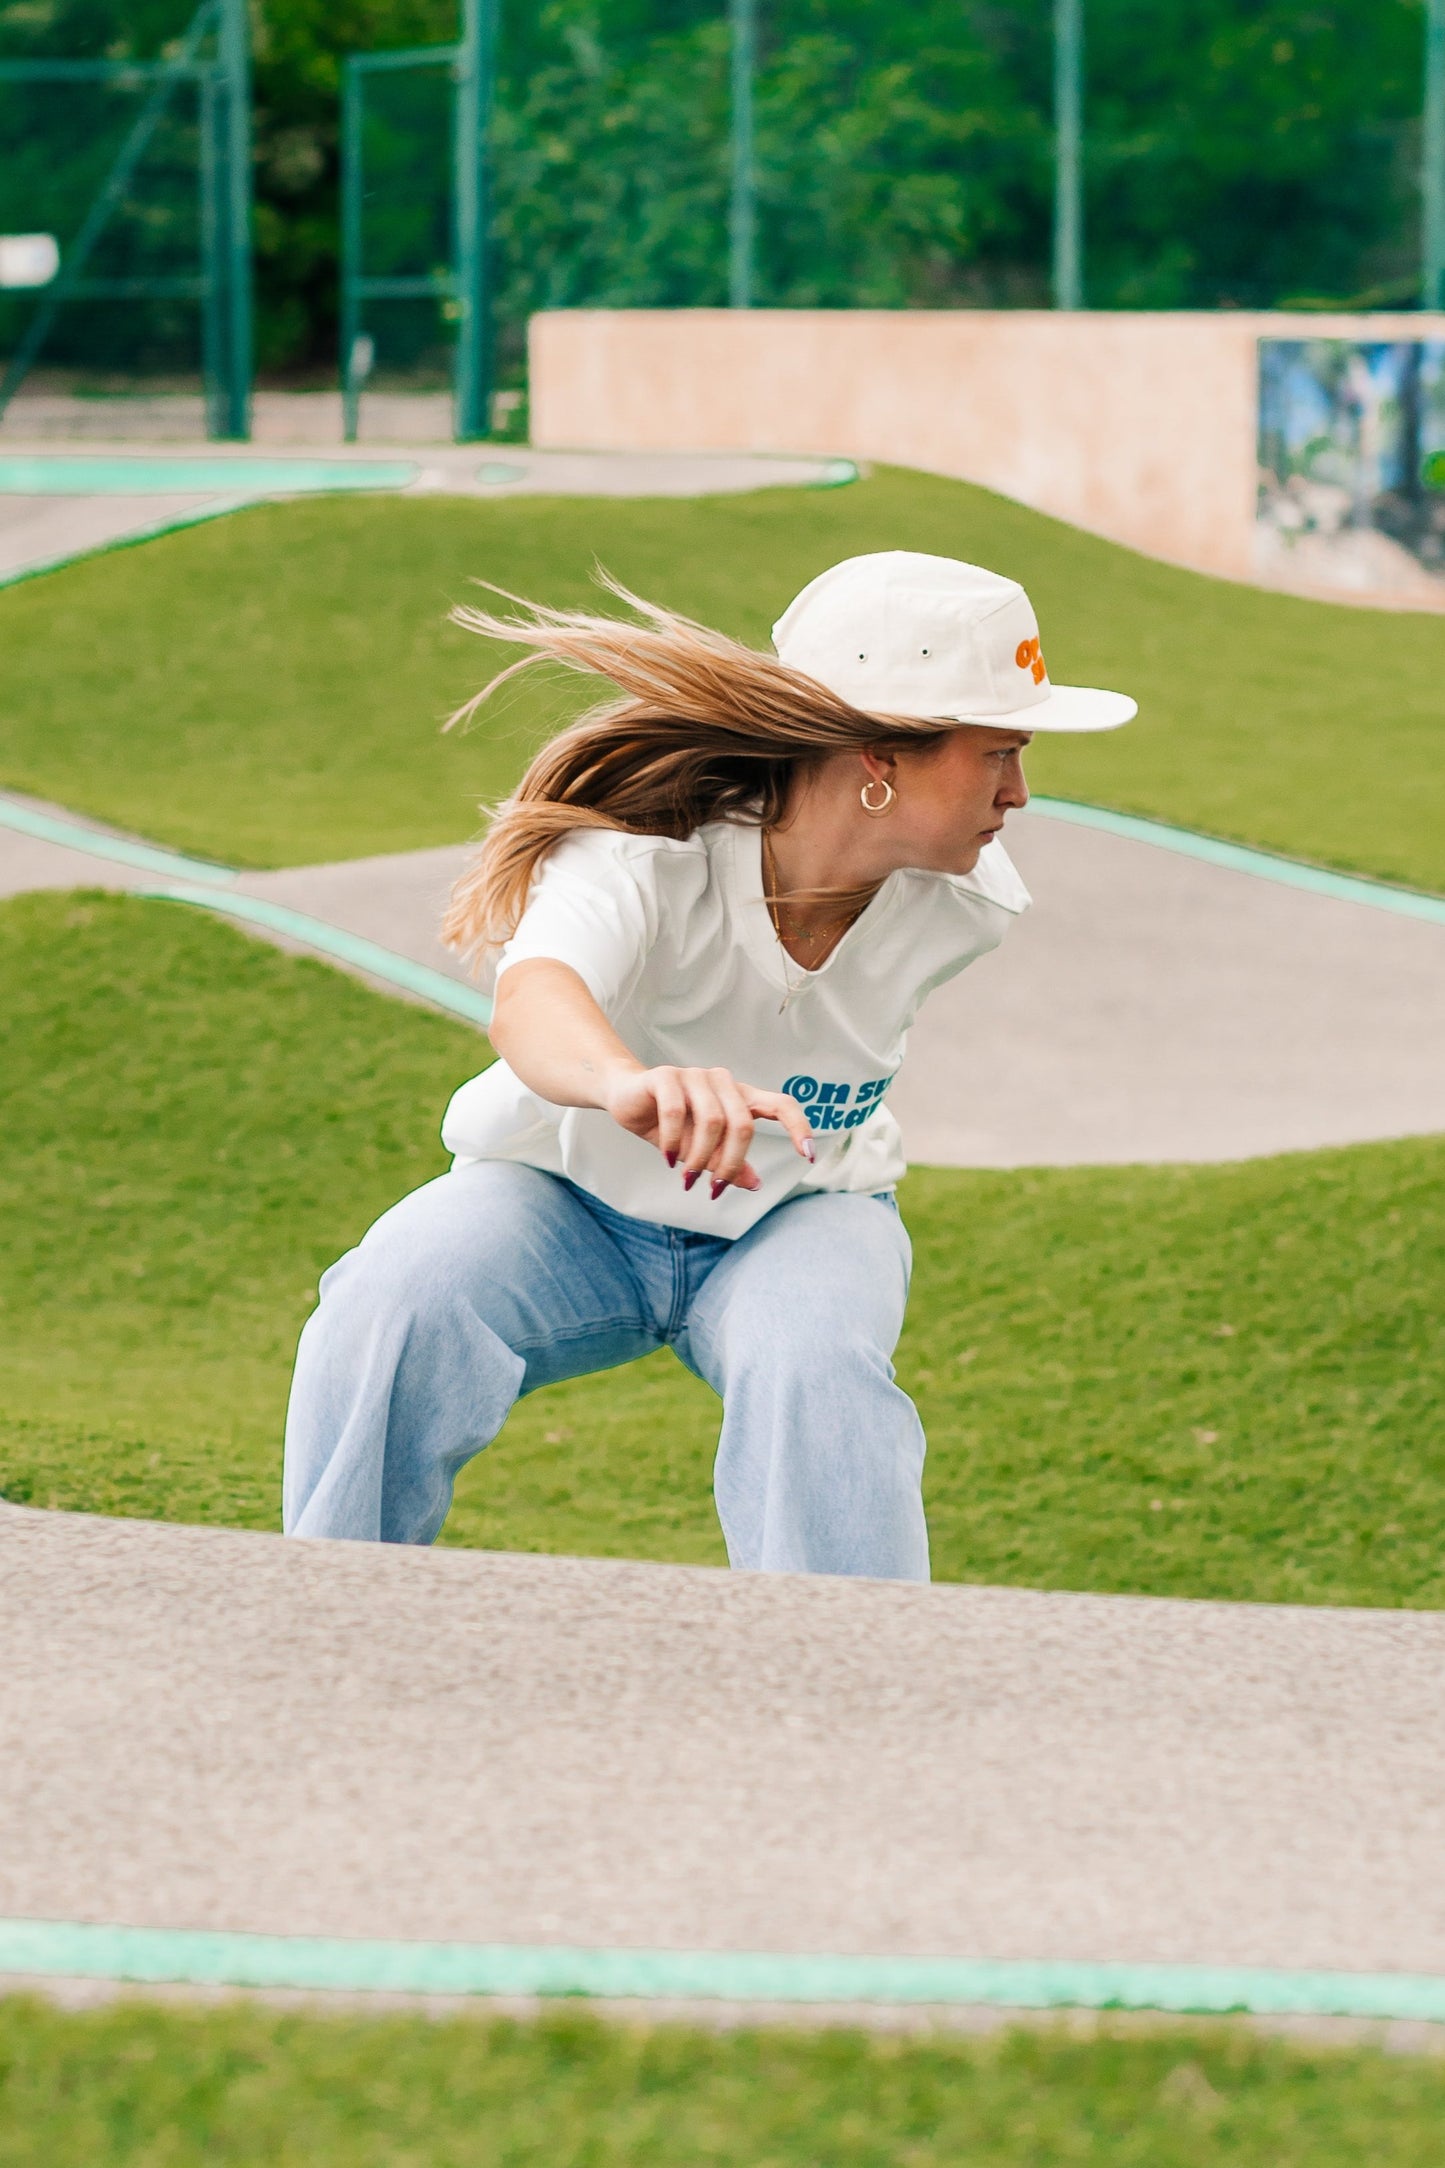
x: 1064, y: 707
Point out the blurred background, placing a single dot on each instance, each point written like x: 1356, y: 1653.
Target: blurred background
x: 899, y: 158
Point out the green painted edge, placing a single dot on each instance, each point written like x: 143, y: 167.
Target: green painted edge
x: 60, y: 1948
x: 1240, y: 858
x: 153, y: 858
x: 1187, y: 842
x: 833, y: 478
x: 195, y: 474
x: 348, y: 948
x: 172, y: 524
x: 382, y: 963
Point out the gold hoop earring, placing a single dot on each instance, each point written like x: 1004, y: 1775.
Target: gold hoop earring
x: 889, y: 794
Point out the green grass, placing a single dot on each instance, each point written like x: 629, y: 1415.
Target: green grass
x: 267, y: 688
x: 1219, y: 1381
x: 135, y: 2085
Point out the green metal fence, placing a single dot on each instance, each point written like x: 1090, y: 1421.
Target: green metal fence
x: 140, y: 170
x: 1432, y: 281
x: 414, y: 287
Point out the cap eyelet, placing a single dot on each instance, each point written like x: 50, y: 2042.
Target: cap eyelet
x: 924, y: 651
x: 862, y: 658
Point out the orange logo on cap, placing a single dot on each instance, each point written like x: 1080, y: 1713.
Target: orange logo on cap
x: 1029, y: 656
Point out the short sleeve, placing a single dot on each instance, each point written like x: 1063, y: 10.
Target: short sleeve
x: 592, y: 906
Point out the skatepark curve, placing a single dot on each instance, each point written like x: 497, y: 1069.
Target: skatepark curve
x: 229, y: 1759
x: 681, y: 1783
x: 687, y: 1788
x: 59, y: 505
x: 1167, y: 998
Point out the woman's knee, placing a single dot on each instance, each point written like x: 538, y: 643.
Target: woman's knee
x: 831, y: 1337
x: 422, y: 1253
x: 385, y: 1278
x: 831, y: 1266
x: 828, y: 1367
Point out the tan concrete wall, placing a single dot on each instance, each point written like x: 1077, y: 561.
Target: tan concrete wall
x: 1141, y: 427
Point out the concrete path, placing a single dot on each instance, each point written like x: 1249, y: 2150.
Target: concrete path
x: 201, y: 1729
x: 37, y: 531
x: 40, y: 530
x: 1149, y: 1007
x: 394, y: 901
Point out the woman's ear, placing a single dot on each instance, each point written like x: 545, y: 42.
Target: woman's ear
x: 878, y: 766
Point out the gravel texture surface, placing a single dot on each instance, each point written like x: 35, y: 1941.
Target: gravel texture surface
x: 201, y: 1728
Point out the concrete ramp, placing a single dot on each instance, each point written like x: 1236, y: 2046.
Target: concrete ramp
x: 59, y: 504
x: 205, y: 1730
x: 1167, y: 998
x: 1159, y: 1005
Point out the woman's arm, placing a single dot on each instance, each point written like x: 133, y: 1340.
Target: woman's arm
x: 552, y: 1035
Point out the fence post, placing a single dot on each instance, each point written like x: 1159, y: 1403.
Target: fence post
x: 351, y: 185
x: 742, y: 209
x: 213, y: 277
x: 1432, y: 285
x: 235, y: 57
x: 476, y: 70
x: 1068, y: 154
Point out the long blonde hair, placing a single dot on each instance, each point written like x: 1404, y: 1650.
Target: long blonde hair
x: 704, y: 729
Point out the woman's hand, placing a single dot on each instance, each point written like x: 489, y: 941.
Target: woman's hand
x: 550, y: 1031
x: 703, y: 1118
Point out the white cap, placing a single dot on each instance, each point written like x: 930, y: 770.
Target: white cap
x: 900, y: 633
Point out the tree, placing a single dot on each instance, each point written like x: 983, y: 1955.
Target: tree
x: 1238, y: 154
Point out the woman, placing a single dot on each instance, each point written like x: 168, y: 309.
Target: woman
x: 712, y: 909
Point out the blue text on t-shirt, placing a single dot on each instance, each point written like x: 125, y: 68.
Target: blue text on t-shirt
x: 836, y: 1106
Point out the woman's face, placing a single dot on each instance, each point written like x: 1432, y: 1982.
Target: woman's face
x: 952, y: 795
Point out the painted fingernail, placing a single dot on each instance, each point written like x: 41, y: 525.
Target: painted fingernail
x: 717, y: 1190
x: 808, y: 1153
x: 691, y: 1176
x: 671, y: 1158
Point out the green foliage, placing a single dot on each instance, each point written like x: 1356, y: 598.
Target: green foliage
x: 269, y: 688
x: 1238, y: 159
x: 59, y: 141
x: 898, y: 163
x: 1226, y: 1383
x: 137, y: 2085
x: 1237, y: 154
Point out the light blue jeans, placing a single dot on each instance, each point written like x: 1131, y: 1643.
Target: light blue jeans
x: 497, y: 1279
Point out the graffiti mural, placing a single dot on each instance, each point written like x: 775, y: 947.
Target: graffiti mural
x: 1352, y: 462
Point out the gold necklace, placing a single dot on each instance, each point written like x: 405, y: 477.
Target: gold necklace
x: 771, y: 899
x: 793, y: 987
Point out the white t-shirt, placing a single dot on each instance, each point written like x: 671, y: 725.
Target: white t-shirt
x: 675, y: 944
